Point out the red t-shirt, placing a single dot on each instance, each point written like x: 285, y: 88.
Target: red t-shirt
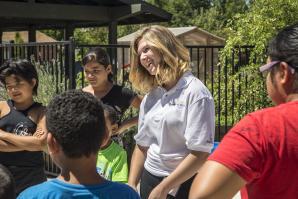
x: 263, y: 149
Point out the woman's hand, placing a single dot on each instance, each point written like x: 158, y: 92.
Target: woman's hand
x: 39, y: 133
x: 159, y: 192
x: 134, y: 187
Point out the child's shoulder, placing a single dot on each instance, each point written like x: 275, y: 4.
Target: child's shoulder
x: 124, y: 190
x: 4, y: 108
x: 116, y: 147
x: 3, y: 103
x: 39, y: 110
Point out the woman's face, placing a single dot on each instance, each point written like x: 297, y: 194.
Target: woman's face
x: 96, y: 74
x: 149, y: 58
x: 18, y: 89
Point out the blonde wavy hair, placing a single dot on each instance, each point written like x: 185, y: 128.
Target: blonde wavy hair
x: 175, y: 59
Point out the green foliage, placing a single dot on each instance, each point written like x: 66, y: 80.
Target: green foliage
x: 91, y: 35
x: 255, y: 27
x: 211, y: 15
x: 18, y: 39
x: 3, y: 94
x: 56, y: 34
x: 96, y: 35
x: 46, y: 90
x: 49, y: 83
x: 127, y: 29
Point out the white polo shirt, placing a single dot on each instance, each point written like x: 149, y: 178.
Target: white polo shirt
x: 171, y: 123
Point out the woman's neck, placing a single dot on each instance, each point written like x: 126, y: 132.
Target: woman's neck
x: 169, y: 85
x: 101, y: 91
x: 103, y: 88
x: 23, y: 105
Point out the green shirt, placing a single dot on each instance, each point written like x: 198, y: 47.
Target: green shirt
x: 112, y: 163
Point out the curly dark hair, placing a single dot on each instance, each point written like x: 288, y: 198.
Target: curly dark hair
x: 76, y: 120
x: 20, y: 68
x: 112, y: 114
x: 7, y: 183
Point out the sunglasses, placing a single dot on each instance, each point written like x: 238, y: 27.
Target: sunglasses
x: 266, y: 68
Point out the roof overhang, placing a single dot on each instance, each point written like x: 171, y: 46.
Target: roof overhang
x: 43, y: 14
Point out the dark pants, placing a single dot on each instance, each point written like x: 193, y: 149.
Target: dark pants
x: 149, y: 182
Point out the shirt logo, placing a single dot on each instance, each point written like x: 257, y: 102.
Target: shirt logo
x: 21, y: 129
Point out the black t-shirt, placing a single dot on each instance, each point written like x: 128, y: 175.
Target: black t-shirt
x: 27, y: 167
x: 119, y: 97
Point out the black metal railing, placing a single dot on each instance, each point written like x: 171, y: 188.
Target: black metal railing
x: 54, y: 63
x: 55, y: 58
x: 62, y: 62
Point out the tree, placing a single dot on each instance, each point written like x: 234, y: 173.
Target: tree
x: 255, y: 27
x: 211, y: 15
x: 18, y: 39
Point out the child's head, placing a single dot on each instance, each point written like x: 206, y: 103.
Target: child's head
x: 112, y: 118
x: 19, y: 78
x: 97, y: 66
x: 7, y: 184
x: 75, y: 122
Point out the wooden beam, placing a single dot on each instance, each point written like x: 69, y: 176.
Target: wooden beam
x: 125, y: 12
x: 40, y: 11
x: 149, y: 8
x: 122, y: 12
x: 1, y: 48
x: 32, y: 34
x: 68, y: 32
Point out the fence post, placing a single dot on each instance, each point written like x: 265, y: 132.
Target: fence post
x: 10, y: 53
x: 1, y: 48
x: 113, y: 51
x: 71, y: 63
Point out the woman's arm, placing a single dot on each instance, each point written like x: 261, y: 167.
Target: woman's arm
x: 216, y: 181
x: 137, y: 165
x: 8, y: 147
x: 132, y: 121
x: 21, y: 143
x: 127, y: 124
x: 37, y: 142
x: 185, y: 170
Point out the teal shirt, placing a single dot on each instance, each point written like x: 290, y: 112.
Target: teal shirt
x: 57, y: 189
x: 112, y: 163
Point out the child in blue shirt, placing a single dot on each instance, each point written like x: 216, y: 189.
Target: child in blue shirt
x: 76, y: 129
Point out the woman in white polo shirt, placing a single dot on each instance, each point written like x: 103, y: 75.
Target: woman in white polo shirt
x: 176, y: 119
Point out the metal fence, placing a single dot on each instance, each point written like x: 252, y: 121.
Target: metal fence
x: 55, y: 58
x: 54, y: 62
x: 206, y: 66
x: 62, y: 62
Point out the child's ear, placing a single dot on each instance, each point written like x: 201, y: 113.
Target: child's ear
x: 53, y: 145
x: 109, y: 68
x: 33, y: 82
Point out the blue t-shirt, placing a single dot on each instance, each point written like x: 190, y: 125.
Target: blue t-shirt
x: 55, y: 189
